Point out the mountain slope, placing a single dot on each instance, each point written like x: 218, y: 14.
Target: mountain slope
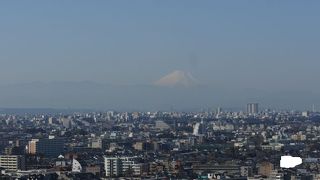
x: 177, y: 78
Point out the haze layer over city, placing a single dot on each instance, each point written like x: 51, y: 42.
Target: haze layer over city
x: 159, y: 55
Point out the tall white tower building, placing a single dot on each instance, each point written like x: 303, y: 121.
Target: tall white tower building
x: 252, y: 108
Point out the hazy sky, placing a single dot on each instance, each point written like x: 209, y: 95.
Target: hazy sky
x: 244, y: 44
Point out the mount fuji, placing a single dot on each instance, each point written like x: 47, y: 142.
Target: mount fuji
x: 177, y: 78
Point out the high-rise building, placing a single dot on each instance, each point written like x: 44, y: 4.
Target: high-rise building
x: 50, y: 147
x: 198, y: 129
x: 252, y: 108
x: 122, y: 166
x: 32, y: 146
x: 112, y: 166
x: 219, y: 110
x: 12, y: 162
x: 66, y: 122
x: 50, y: 120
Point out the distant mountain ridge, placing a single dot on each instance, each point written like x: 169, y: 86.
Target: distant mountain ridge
x: 180, y: 96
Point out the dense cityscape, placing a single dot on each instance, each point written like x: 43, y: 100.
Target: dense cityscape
x: 216, y: 144
x: 159, y: 90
